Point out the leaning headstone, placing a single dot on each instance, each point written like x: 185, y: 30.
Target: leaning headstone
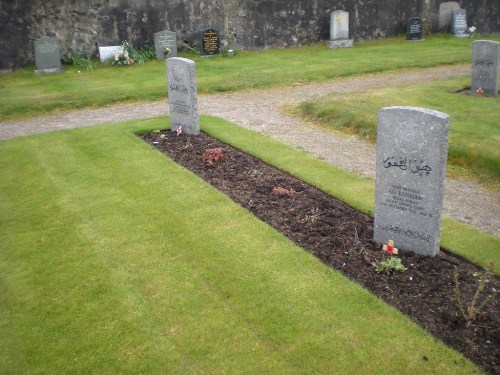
x: 163, y: 40
x: 210, y: 42
x: 47, y: 55
x: 445, y: 15
x: 182, y: 95
x: 414, y: 28
x: 412, y: 149
x: 459, y: 23
x: 108, y: 53
x: 485, y: 67
x: 339, y: 30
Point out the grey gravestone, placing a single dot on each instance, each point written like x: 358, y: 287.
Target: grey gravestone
x: 485, y: 66
x: 165, y: 39
x: 445, y: 14
x: 412, y: 149
x: 459, y: 23
x: 47, y: 55
x: 339, y: 30
x: 414, y: 29
x: 108, y: 53
x: 182, y: 95
x: 210, y: 42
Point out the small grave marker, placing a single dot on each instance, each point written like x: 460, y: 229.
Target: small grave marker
x: 485, y: 66
x: 459, y: 23
x: 414, y: 29
x: 182, y: 95
x: 339, y: 30
x: 412, y: 149
x: 108, y: 53
x: 165, y: 39
x: 47, y: 55
x: 210, y: 42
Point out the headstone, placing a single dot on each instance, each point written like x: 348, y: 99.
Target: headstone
x: 414, y: 28
x: 210, y: 42
x: 182, y: 95
x: 165, y: 39
x: 445, y: 15
x: 47, y: 55
x: 412, y: 149
x: 485, y: 66
x: 339, y: 30
x: 459, y: 23
x: 108, y: 53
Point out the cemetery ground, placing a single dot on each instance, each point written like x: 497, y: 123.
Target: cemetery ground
x: 218, y: 290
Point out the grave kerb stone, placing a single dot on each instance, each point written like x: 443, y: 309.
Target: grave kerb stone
x: 165, y: 39
x: 107, y: 53
x: 47, y: 55
x: 485, y: 66
x: 182, y: 95
x: 412, y: 149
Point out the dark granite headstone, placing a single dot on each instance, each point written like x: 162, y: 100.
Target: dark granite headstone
x: 459, y: 23
x: 485, y: 67
x: 165, y: 39
x: 210, y: 42
x: 414, y: 28
x: 47, y: 55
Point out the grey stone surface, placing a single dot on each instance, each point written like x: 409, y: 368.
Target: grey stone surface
x: 412, y: 149
x: 339, y: 30
x: 445, y: 10
x: 108, y: 52
x: 459, y: 23
x: 182, y: 95
x: 47, y: 55
x: 485, y: 66
x: 165, y: 39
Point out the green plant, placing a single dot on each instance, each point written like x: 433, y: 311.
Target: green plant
x: 82, y: 60
x: 389, y: 266
x: 145, y: 54
x: 469, y: 310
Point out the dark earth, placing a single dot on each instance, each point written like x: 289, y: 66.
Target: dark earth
x: 341, y: 237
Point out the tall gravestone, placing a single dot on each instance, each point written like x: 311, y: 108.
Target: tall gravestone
x: 485, y: 66
x: 459, y: 23
x: 182, y: 95
x: 163, y: 40
x: 414, y: 29
x: 445, y: 10
x: 47, y: 55
x: 210, y: 42
x: 412, y: 149
x: 339, y: 30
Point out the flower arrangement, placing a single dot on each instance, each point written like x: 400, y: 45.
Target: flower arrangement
x: 480, y: 91
x: 472, y: 31
x: 125, y: 56
x: 167, y: 52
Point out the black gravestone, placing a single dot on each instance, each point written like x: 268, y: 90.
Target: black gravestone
x: 210, y: 42
x: 414, y: 29
x: 459, y: 23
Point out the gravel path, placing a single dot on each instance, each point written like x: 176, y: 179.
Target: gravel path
x: 261, y: 111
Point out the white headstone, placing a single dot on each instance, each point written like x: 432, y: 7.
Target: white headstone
x: 108, y: 52
x: 182, y: 95
x: 412, y: 150
x: 339, y: 30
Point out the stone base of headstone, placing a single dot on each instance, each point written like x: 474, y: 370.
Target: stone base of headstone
x: 344, y: 43
x: 49, y: 71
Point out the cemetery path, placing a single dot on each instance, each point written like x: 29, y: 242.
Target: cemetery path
x: 263, y: 111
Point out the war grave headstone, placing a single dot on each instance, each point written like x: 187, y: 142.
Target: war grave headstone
x: 163, y: 40
x: 210, y: 42
x: 412, y: 150
x: 47, y: 55
x: 182, y: 95
x: 339, y: 30
x: 459, y: 23
x: 445, y: 15
x: 107, y: 53
x: 485, y: 67
x: 414, y: 29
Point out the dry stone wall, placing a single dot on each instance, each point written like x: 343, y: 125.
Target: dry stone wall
x: 83, y: 26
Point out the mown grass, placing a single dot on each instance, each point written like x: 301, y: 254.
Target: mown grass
x: 26, y: 94
x: 474, y: 121
x: 114, y: 259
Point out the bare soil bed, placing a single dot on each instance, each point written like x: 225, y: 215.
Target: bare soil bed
x: 341, y: 237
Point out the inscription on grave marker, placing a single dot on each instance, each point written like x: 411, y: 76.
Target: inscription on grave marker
x: 414, y: 29
x: 210, y: 42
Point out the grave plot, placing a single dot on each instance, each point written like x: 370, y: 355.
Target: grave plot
x: 341, y: 237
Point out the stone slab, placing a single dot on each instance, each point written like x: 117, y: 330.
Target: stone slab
x: 345, y: 43
x: 47, y: 55
x: 445, y: 9
x: 412, y: 149
x: 485, y: 66
x: 107, y: 53
x: 165, y: 39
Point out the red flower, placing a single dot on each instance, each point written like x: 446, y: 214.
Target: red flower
x: 389, y: 248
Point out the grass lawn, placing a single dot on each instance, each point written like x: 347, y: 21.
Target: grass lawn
x: 474, y: 121
x: 26, y: 94
x: 113, y: 259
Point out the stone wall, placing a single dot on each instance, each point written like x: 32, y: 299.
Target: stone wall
x: 82, y: 26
